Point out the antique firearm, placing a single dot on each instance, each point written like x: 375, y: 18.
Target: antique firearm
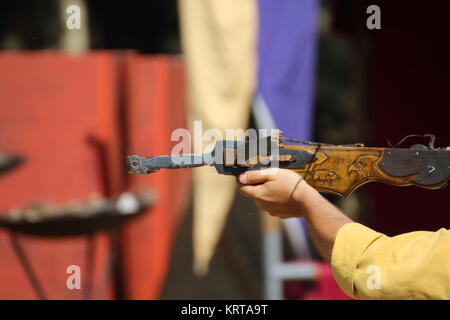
x: 337, y: 169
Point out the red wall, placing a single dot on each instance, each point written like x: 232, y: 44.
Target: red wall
x: 73, y: 117
x: 50, y: 106
x: 155, y: 107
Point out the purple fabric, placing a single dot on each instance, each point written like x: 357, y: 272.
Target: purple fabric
x: 287, y: 55
x: 287, y: 49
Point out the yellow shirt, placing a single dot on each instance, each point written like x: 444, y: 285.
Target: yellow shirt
x: 370, y: 265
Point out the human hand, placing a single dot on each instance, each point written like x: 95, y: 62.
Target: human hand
x: 283, y: 194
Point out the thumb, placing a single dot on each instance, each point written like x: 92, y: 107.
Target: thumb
x: 253, y: 177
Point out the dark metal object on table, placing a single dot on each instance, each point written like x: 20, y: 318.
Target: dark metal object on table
x: 9, y: 161
x: 51, y: 221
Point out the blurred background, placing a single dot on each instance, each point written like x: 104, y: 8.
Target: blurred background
x: 84, y: 83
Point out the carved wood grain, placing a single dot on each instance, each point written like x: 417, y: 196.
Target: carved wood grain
x: 340, y: 170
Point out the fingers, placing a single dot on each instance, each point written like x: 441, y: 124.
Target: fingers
x: 254, y: 177
x: 250, y: 191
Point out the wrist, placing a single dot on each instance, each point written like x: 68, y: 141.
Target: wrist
x: 304, y: 198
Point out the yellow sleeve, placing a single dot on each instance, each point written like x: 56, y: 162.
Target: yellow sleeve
x: 370, y: 265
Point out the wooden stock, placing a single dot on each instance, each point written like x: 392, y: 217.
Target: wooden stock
x: 340, y: 170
